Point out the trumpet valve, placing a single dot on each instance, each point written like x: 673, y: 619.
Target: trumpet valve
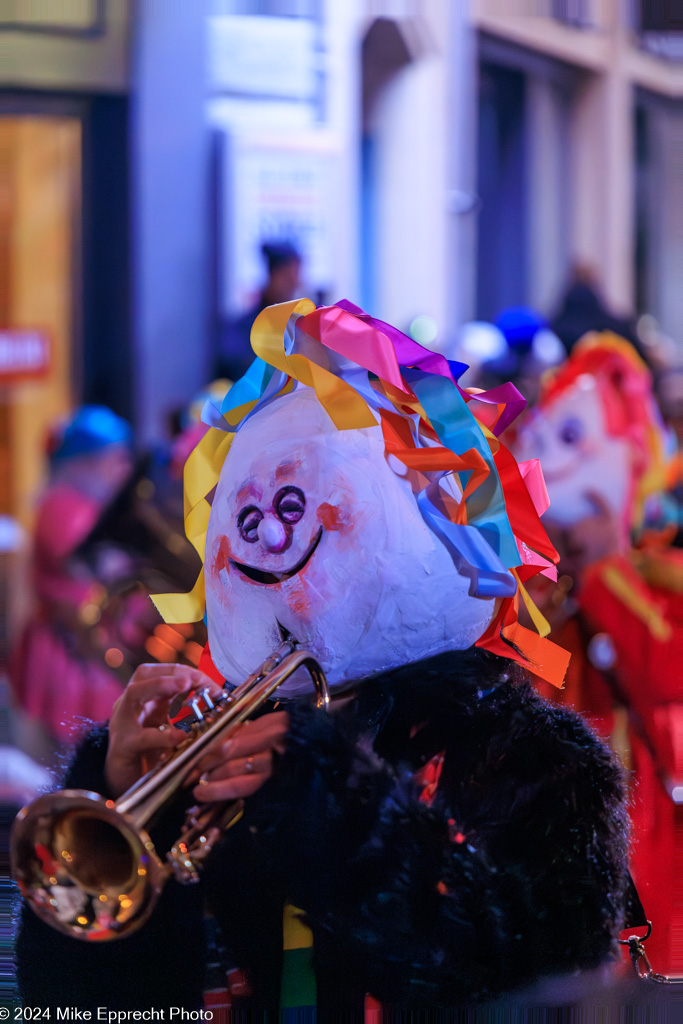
x: 206, y: 697
x: 196, y: 710
x: 186, y: 713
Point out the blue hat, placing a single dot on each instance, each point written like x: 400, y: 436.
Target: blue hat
x: 90, y: 429
x: 519, y: 324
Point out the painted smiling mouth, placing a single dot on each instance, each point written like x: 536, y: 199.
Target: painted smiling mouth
x: 268, y: 578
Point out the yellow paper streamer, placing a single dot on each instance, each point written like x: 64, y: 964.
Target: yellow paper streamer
x: 539, y: 620
x: 203, y: 466
x: 181, y: 608
x: 346, y: 408
x: 202, y: 470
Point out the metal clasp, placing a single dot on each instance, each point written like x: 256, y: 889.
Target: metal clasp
x: 639, y: 958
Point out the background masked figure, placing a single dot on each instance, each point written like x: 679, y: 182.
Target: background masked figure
x: 57, y: 670
x: 103, y: 539
x: 447, y: 835
x: 599, y: 435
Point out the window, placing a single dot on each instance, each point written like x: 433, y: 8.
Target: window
x: 574, y: 12
x: 658, y: 25
x: 660, y: 15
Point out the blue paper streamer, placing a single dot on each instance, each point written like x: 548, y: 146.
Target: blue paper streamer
x: 458, y: 430
x: 472, y: 555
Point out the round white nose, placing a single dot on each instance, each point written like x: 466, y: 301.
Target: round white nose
x: 272, y: 534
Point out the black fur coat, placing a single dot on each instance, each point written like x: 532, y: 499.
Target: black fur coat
x: 517, y: 870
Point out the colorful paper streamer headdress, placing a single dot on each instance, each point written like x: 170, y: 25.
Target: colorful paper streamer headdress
x: 366, y: 372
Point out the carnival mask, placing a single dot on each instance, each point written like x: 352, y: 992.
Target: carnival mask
x: 312, y: 532
x: 599, y: 436
x: 352, y: 495
x: 583, y: 466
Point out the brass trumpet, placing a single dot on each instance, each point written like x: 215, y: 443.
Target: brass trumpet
x: 87, y: 865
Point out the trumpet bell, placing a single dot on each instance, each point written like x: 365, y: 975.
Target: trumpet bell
x: 83, y: 867
x: 86, y: 864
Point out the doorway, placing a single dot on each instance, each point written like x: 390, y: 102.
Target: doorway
x: 40, y: 213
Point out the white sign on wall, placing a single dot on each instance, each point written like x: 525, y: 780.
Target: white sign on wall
x: 277, y: 190
x: 261, y: 56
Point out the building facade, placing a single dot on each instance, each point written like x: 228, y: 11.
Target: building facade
x: 435, y: 160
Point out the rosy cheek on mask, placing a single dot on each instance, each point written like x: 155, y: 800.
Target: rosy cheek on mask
x: 342, y: 516
x: 342, y: 522
x: 221, y: 556
x: 219, y: 567
x: 333, y: 517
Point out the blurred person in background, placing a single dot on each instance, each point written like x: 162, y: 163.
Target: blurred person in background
x: 603, y: 448
x: 235, y: 354
x: 55, y: 675
x: 102, y: 541
x: 519, y: 348
x: 583, y: 309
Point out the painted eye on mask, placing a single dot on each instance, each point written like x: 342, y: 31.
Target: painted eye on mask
x: 571, y: 431
x: 289, y: 504
x: 247, y: 523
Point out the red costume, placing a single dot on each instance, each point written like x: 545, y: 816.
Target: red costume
x: 630, y: 613
x: 598, y: 426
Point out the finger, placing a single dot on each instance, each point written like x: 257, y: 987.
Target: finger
x: 155, y: 713
x: 260, y: 764
x: 199, y: 680
x: 151, y: 739
x: 228, y: 789
x: 140, y: 693
x: 254, y: 736
x: 248, y: 742
x: 244, y: 744
x: 213, y: 769
x: 154, y: 668
x: 193, y: 678
x: 162, y: 688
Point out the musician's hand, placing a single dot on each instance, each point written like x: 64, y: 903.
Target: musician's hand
x: 139, y: 730
x: 238, y: 767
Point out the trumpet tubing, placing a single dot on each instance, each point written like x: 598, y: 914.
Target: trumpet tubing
x: 88, y: 866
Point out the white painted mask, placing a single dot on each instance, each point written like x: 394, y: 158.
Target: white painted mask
x: 313, y: 530
x: 583, y: 465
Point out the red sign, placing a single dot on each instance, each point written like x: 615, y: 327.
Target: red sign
x: 24, y: 352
